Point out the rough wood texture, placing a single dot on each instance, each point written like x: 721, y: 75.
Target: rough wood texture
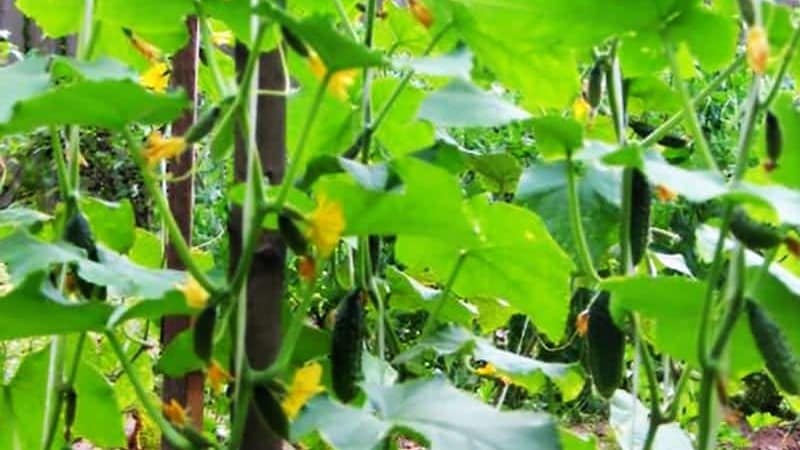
x: 188, y: 390
x: 265, y: 284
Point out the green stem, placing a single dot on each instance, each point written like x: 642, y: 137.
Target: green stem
x: 747, y: 127
x: 688, y: 107
x: 675, y: 403
x: 162, y: 206
x: 578, y: 234
x: 735, y: 300
x: 61, y: 167
x: 298, y: 156
x: 87, y: 25
x: 652, y: 385
x: 53, y: 399
x: 207, y: 43
x: 241, y: 409
x: 676, y: 118
x: 345, y: 20
x: 787, y: 59
x: 169, y: 432
x: 430, y: 323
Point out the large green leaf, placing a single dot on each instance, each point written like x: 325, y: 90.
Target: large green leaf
x: 25, y: 397
x: 461, y: 104
x: 112, y: 224
x: 400, y: 133
x: 408, y: 294
x: 543, y: 189
x: 511, y: 256
x: 35, y: 308
x: 87, y: 103
x: 428, y: 203
x: 29, y: 78
x: 524, y: 371
x: 25, y: 254
x: 98, y: 417
x: 337, y: 127
x: 673, y: 303
x: 630, y: 420
x: 446, y: 417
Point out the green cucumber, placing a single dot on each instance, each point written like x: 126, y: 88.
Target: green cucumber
x: 774, y: 141
x: 271, y: 411
x: 781, y: 361
x: 606, y: 348
x: 596, y: 84
x: 752, y: 233
x: 203, y: 339
x: 346, y: 347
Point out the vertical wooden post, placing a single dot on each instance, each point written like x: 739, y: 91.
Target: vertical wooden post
x: 187, y: 390
x: 265, y: 283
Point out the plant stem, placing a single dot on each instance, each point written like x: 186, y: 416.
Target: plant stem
x: 169, y: 432
x: 61, y: 165
x: 53, y: 398
x: 298, y: 156
x: 430, y: 323
x: 676, y: 118
x: 747, y: 127
x: 241, y: 407
x: 787, y: 59
x: 575, y: 219
x: 207, y: 44
x: 345, y: 20
x: 162, y: 206
x: 688, y: 107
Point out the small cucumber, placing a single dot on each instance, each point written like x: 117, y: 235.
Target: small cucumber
x: 596, y: 76
x: 774, y: 140
x: 778, y: 356
x: 606, y: 344
x: 203, y: 342
x: 752, y: 233
x: 271, y: 411
x: 346, y: 346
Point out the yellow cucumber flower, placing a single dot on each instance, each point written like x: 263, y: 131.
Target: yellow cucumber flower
x: 159, y: 148
x: 156, y: 77
x: 174, y: 412
x: 339, y: 83
x: 757, y: 49
x: 217, y: 376
x: 305, y: 385
x: 325, y: 225
x: 581, y: 110
x: 146, y: 49
x: 196, y: 296
x: 421, y: 12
